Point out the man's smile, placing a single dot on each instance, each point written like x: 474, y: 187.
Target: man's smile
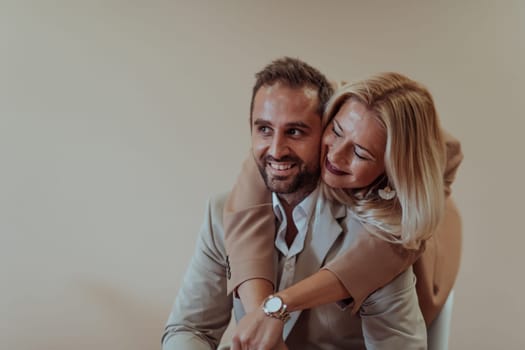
x: 280, y: 169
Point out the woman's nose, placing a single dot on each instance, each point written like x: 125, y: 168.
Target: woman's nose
x: 339, y: 155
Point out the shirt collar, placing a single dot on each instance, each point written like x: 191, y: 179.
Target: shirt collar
x: 305, y: 207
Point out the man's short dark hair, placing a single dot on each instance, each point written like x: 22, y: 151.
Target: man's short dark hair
x: 293, y: 73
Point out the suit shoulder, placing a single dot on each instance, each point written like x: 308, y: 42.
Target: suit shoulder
x: 214, y: 211
x: 216, y: 202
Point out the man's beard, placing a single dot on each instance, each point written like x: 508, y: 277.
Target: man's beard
x: 306, y: 179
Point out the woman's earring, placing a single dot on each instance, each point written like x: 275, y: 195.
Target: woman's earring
x: 386, y: 193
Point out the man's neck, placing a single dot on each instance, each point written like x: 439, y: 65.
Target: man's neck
x: 290, y: 200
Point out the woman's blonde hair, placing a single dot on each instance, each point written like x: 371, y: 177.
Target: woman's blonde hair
x: 414, y: 160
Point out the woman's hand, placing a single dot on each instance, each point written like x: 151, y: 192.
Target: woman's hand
x: 256, y: 331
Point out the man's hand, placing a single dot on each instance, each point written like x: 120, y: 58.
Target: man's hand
x: 256, y: 331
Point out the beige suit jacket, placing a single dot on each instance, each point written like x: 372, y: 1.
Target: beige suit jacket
x: 390, y: 318
x: 249, y: 224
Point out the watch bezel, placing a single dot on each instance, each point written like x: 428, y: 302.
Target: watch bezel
x: 269, y: 308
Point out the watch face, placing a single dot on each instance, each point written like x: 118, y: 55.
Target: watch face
x: 273, y: 304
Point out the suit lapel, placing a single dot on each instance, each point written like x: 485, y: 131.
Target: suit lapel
x: 323, y: 232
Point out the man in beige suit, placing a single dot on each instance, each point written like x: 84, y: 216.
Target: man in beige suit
x: 311, y: 231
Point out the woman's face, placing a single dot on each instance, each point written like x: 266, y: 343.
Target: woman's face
x: 353, y: 147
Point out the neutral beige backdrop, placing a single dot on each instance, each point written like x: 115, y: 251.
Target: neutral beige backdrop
x: 119, y: 118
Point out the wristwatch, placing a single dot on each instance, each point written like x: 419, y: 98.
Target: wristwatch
x: 273, y: 306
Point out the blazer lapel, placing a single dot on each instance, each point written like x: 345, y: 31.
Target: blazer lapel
x: 322, y: 234
x: 325, y: 231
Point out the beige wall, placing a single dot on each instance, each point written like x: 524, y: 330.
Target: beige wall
x: 119, y: 118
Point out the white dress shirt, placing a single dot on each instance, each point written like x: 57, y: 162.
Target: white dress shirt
x: 302, y: 217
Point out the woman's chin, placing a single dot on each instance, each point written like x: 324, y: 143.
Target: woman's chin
x: 329, y: 179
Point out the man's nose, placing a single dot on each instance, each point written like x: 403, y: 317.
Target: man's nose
x: 279, y: 147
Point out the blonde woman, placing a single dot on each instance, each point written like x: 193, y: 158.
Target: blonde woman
x: 385, y: 157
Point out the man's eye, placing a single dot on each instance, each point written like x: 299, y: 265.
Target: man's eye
x: 264, y: 129
x: 294, y: 132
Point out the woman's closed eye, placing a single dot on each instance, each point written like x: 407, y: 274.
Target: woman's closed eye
x: 361, y: 157
x: 336, y: 132
x: 360, y: 153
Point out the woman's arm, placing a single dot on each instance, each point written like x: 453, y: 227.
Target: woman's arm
x: 249, y: 226
x: 323, y: 287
